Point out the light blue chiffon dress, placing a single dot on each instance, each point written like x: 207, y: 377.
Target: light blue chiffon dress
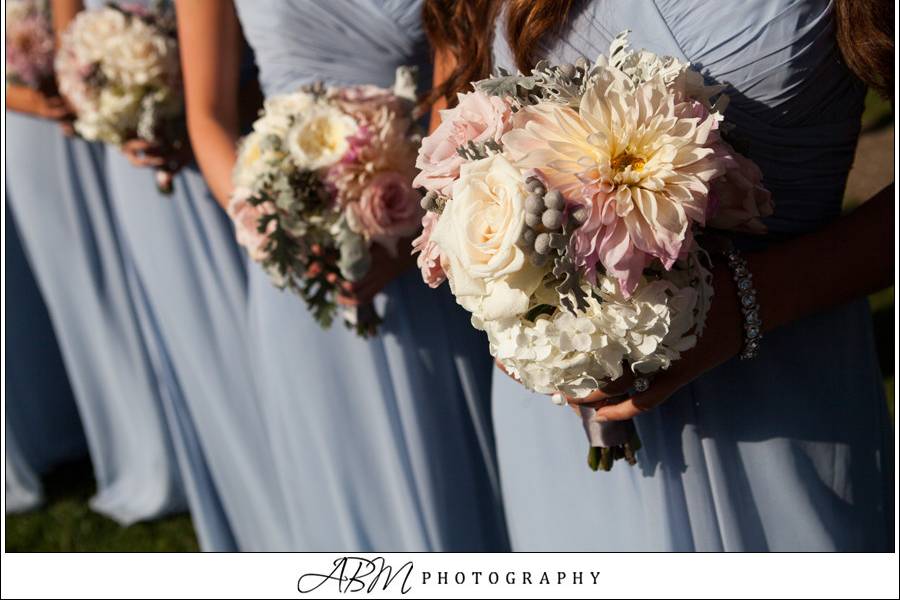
x: 192, y: 276
x: 382, y: 444
x: 789, y: 451
x: 42, y: 424
x: 57, y: 192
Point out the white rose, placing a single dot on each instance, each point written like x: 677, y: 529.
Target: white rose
x: 319, y: 135
x: 477, y: 235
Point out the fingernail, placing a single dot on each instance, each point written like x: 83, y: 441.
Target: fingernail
x: 601, y: 418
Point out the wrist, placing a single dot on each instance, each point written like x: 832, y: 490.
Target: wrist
x: 726, y: 310
x: 23, y: 100
x: 775, y: 307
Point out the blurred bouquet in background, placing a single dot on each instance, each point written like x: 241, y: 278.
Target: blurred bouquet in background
x: 562, y: 208
x: 118, y: 67
x: 326, y: 174
x: 29, y: 45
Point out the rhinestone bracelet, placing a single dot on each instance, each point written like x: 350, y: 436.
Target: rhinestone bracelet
x: 749, y: 306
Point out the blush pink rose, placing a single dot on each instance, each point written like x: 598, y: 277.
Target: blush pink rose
x: 429, y: 259
x: 477, y: 118
x: 388, y: 209
x: 246, y: 223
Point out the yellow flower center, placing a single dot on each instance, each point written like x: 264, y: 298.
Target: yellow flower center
x: 254, y: 152
x: 625, y: 160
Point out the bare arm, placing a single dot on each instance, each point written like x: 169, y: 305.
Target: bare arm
x: 62, y: 13
x: 32, y: 102
x: 210, y: 41
x: 848, y: 259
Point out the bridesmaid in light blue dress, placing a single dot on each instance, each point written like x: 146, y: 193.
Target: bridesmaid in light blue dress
x: 381, y: 444
x: 193, y: 279
x: 42, y: 425
x: 789, y: 451
x: 72, y: 242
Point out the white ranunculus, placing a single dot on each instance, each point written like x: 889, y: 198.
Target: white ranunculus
x: 279, y: 112
x: 478, y: 233
x: 318, y: 137
x: 254, y: 161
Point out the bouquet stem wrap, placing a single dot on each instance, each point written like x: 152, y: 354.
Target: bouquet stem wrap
x: 609, y: 440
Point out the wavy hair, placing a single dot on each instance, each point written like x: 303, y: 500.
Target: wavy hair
x: 463, y: 30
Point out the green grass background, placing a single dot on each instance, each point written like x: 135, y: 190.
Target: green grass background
x: 66, y: 524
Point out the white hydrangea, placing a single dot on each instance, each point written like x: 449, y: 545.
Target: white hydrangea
x: 560, y: 352
x: 578, y: 353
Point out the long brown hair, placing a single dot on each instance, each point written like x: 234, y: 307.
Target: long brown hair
x: 463, y: 30
x: 460, y: 29
x: 865, y: 34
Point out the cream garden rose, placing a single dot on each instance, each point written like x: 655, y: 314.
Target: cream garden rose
x: 318, y: 138
x: 478, y: 233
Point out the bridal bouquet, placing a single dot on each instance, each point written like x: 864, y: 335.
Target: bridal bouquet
x: 118, y: 68
x: 324, y: 176
x: 562, y: 208
x: 29, y: 44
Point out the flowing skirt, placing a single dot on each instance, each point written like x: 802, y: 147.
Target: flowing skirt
x: 42, y: 425
x: 193, y: 276
x: 382, y: 444
x: 792, y: 451
x: 73, y: 246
